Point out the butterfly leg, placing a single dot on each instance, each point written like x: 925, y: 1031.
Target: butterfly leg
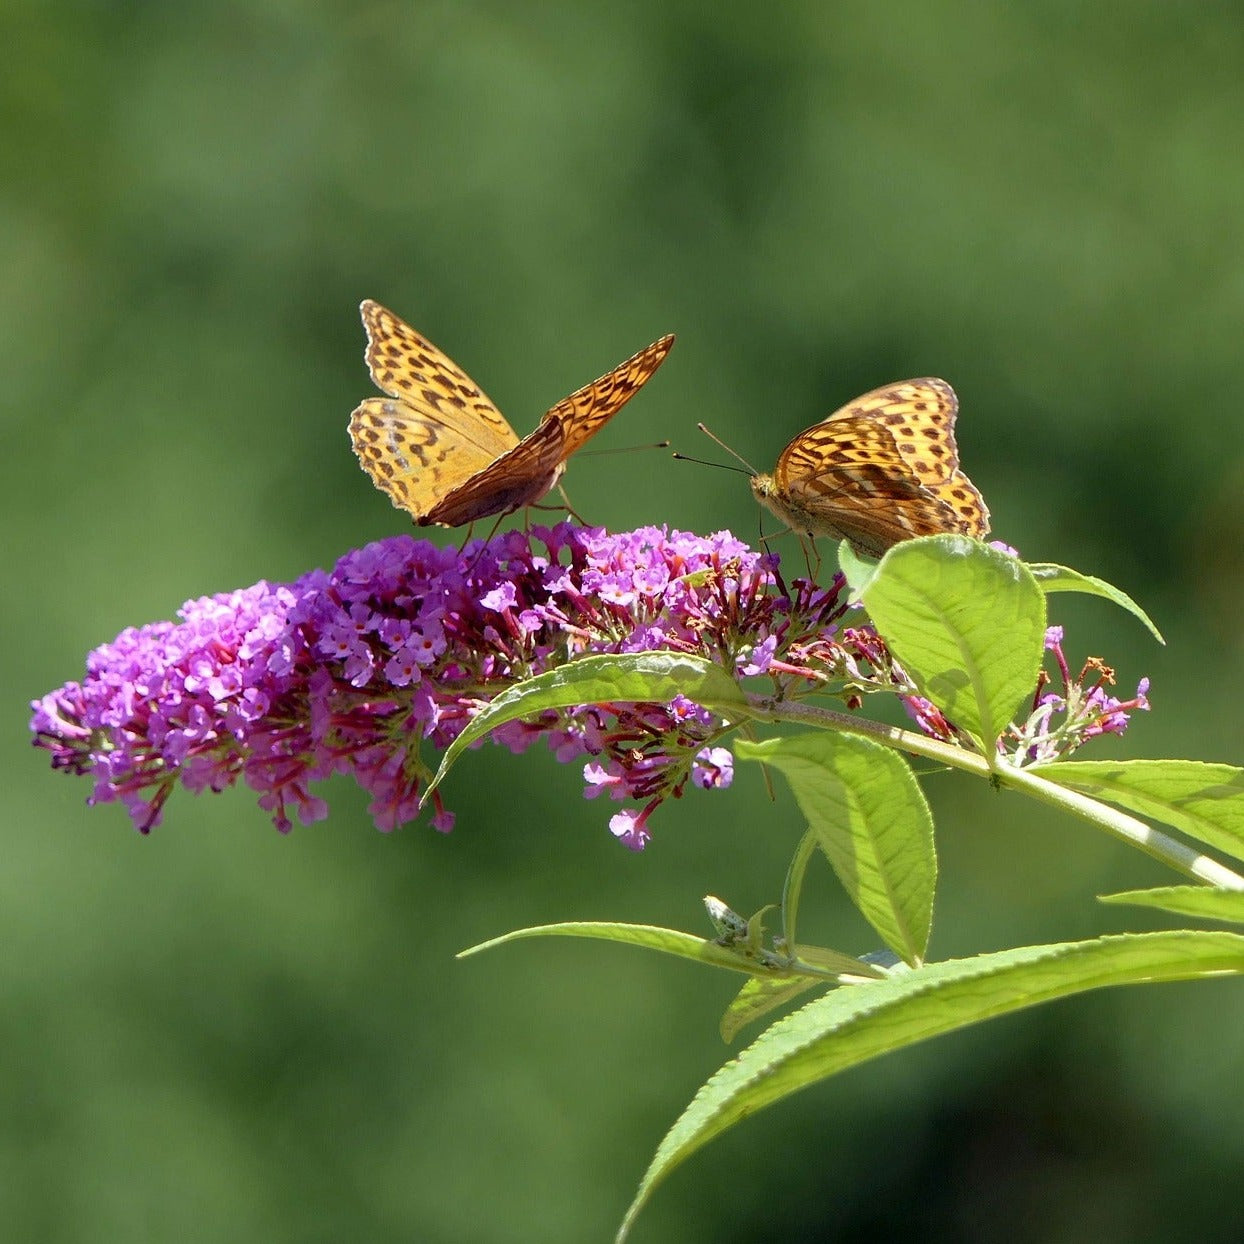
x: 777, y: 568
x: 570, y: 508
x: 565, y: 505
x: 483, y: 547
x: 467, y: 538
x: 763, y: 540
x: 811, y: 555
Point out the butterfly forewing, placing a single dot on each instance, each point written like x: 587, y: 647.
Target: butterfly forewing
x: 443, y: 452
x: 588, y: 409
x: 920, y: 415
x: 406, y: 365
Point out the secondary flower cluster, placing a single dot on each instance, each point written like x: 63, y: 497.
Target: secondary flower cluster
x: 1061, y: 722
x: 359, y: 669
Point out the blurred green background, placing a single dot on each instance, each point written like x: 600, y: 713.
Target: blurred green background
x: 219, y: 1033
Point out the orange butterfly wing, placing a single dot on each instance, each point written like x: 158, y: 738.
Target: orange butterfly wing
x: 588, y: 409
x: 519, y: 477
x: 921, y: 417
x: 436, y: 429
x: 523, y: 474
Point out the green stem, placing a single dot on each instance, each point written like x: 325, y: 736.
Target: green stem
x: 804, y: 714
x: 1127, y: 828
x: 1121, y: 825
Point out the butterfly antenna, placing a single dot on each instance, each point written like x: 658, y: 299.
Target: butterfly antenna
x: 721, y: 466
x: 738, y: 457
x: 623, y: 449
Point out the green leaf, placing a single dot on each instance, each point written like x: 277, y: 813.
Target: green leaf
x: 1209, y: 902
x: 647, y: 936
x: 792, y: 890
x: 870, y: 818
x: 760, y: 996
x: 846, y: 968
x: 847, y: 1027
x: 1205, y: 801
x: 629, y: 677
x: 967, y: 623
x: 1051, y: 577
x: 857, y: 570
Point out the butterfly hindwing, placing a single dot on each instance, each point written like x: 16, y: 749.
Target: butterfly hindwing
x: 520, y: 477
x: 846, y: 478
x: 418, y: 461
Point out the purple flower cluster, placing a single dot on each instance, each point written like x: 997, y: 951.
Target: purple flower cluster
x: 1061, y: 722
x: 351, y: 671
x: 394, y: 651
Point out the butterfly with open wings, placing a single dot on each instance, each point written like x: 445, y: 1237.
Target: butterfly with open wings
x: 444, y: 453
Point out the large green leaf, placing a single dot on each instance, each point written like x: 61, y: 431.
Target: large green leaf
x: 870, y: 817
x: 1205, y: 801
x: 967, y: 622
x: 849, y: 1026
x: 629, y: 677
x: 1051, y: 577
x: 858, y: 570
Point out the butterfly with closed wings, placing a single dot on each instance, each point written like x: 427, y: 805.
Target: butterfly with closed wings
x: 882, y: 469
x: 444, y: 453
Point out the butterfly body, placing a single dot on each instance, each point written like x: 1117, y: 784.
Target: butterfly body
x: 882, y: 469
x: 440, y: 449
